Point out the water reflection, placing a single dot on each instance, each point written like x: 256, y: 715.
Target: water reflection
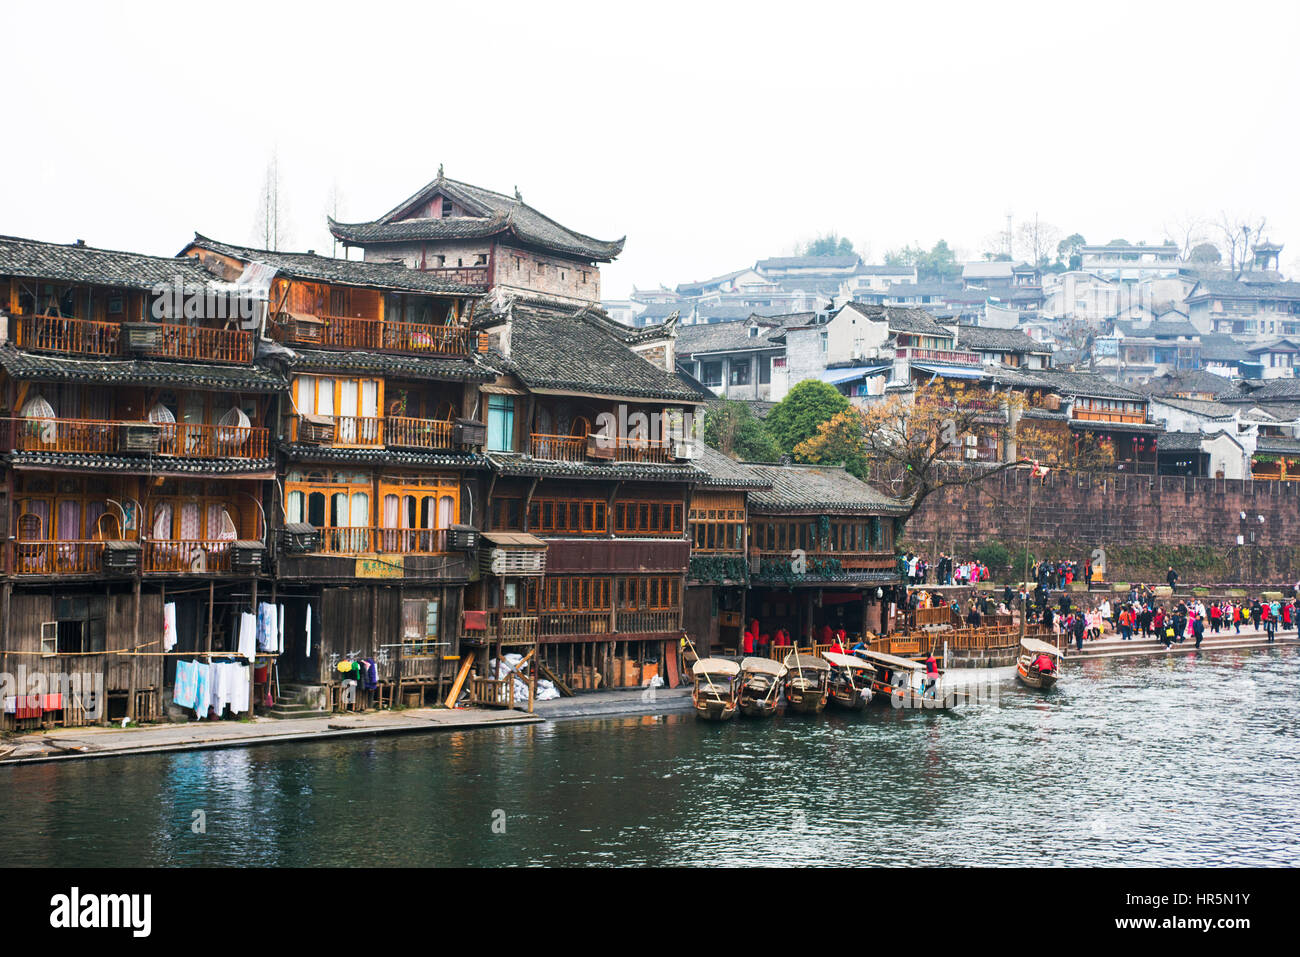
x: 1184, y: 760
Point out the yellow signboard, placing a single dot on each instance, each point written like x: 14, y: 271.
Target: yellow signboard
x: 390, y: 566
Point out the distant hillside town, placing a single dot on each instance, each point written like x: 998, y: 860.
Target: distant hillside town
x: 1131, y: 312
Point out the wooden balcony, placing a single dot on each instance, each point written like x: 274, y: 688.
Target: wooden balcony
x: 213, y: 441
x: 955, y: 356
x: 647, y: 621
x: 57, y: 558
x: 89, y: 337
x: 1089, y: 415
x: 848, y: 561
x: 511, y: 627
x: 352, y: 332
x: 362, y: 540
x: 187, y: 556
x: 410, y: 433
x: 574, y: 448
x: 90, y: 436
x: 75, y: 336
x: 560, y: 448
x: 204, y: 344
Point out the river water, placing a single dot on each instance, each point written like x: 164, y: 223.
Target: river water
x: 1190, y: 759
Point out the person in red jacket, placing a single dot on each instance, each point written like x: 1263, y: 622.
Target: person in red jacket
x: 748, y: 644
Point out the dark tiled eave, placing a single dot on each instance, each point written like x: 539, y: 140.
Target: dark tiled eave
x: 297, y: 452
x: 141, y: 464
x: 35, y: 367
x: 391, y: 363
x: 522, y: 465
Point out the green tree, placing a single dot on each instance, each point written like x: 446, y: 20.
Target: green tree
x: 802, y: 411
x: 828, y: 244
x: 939, y: 263
x: 839, y: 441
x: 732, y: 429
x: 1068, y: 250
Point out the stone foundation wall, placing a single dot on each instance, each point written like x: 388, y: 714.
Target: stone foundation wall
x: 1144, y: 524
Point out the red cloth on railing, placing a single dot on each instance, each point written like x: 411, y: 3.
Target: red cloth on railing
x: 475, y: 620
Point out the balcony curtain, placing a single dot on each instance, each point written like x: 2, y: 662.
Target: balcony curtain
x: 69, y: 524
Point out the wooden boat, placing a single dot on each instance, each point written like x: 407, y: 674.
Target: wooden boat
x: 806, y: 683
x: 760, y: 686
x: 850, y: 681
x: 715, y: 688
x: 1031, y: 668
x: 900, y: 681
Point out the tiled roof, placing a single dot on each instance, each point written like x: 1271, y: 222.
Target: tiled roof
x: 491, y: 214
x: 559, y: 348
x: 1189, y: 380
x: 85, y: 264
x: 1276, y: 443
x: 1180, y: 441
x: 815, y: 488
x: 724, y: 337
x: 1213, y: 410
x: 139, y: 464
x: 809, y: 262
x: 1084, y: 383
x: 44, y: 368
x: 419, y: 367
x: 724, y: 472
x: 1222, y: 347
x: 1230, y: 289
x: 901, y: 319
x: 348, y: 272
x: 514, y: 463
x: 1267, y: 390
x: 382, y: 456
x: 990, y: 339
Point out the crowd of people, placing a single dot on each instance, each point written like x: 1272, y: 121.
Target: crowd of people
x: 947, y: 570
x: 1058, y: 574
x: 1142, y: 615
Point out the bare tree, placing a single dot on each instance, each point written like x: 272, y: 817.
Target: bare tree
x: 272, y: 222
x: 1238, y: 233
x: 1036, y: 241
x: 1187, y: 232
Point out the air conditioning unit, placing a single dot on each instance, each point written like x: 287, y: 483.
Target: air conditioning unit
x: 470, y: 432
x: 142, y: 336
x: 299, y: 538
x: 122, y: 558
x: 142, y: 437
x: 462, y: 538
x: 684, y: 450
x: 315, y: 429
x: 246, y: 556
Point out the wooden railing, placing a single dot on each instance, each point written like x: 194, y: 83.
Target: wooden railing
x: 419, y: 433
x: 213, y: 441
x: 1093, y: 415
x: 104, y: 437
x: 60, y: 334
x: 358, y: 430
x: 197, y: 557
x: 205, y: 343
x: 62, y: 435
x: 959, y: 356
x: 360, y: 540
x: 640, y: 622
x: 573, y: 448
x: 49, y: 558
x: 849, y: 561
x: 352, y: 332
x: 563, y: 448
x: 641, y: 450
x: 511, y: 627
x: 552, y: 624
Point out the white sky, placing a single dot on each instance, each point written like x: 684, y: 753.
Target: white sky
x: 710, y: 134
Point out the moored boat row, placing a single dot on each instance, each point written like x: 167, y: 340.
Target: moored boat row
x: 808, y: 683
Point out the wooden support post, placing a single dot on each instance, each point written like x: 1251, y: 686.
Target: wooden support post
x: 252, y: 665
x: 135, y: 646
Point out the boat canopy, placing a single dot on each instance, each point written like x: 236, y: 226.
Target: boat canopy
x: 806, y: 663
x: 1039, y: 647
x: 845, y: 661
x: 715, y: 666
x: 764, y: 666
x: 890, y: 661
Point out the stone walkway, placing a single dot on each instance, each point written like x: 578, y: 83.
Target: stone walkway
x: 63, y: 744
x: 1113, y: 646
